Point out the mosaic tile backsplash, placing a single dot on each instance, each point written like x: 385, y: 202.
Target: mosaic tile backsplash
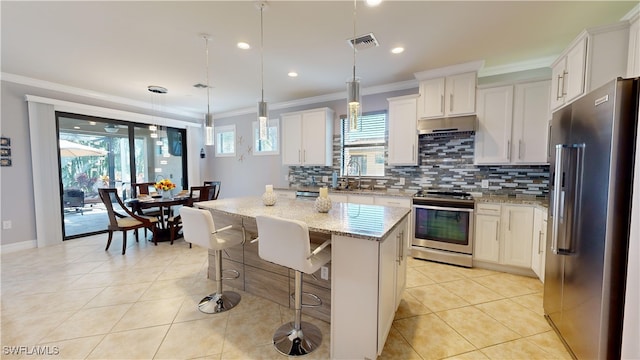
x: 446, y: 163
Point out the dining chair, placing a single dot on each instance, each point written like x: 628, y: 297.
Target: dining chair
x: 216, y: 184
x: 196, y: 193
x: 123, y: 219
x: 138, y: 189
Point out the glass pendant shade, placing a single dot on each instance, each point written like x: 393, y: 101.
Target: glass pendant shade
x: 208, y: 130
x: 354, y: 101
x: 263, y: 117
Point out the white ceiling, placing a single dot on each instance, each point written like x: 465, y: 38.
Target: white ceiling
x: 118, y: 48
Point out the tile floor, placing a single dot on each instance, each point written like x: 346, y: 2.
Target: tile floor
x: 76, y: 301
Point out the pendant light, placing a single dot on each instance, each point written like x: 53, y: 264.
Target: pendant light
x: 354, y: 100
x: 208, y: 117
x: 263, y: 112
x: 156, y: 91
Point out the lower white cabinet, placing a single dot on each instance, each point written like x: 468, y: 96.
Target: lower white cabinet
x: 538, y: 251
x: 503, y: 234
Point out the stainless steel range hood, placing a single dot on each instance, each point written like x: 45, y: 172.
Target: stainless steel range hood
x: 447, y: 125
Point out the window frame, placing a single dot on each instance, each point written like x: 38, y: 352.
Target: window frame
x: 218, y: 130
x: 272, y: 123
x: 384, y: 143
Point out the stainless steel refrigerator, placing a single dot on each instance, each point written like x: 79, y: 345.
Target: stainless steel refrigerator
x: 592, y: 150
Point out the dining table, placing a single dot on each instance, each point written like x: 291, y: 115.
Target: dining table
x: 164, y: 204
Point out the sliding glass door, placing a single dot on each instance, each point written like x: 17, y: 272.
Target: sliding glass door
x: 99, y: 153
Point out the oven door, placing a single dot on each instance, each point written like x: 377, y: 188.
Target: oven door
x: 444, y: 228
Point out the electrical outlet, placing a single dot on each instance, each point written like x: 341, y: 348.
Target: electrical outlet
x: 6, y: 224
x: 325, y: 179
x: 485, y: 184
x: 324, y: 273
x: 401, y: 181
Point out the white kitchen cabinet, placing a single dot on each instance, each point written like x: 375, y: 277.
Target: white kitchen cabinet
x: 596, y: 56
x: 307, y: 137
x: 503, y: 234
x: 530, y: 129
x: 486, y: 245
x: 539, y: 242
x: 633, y: 60
x: 403, y: 137
x: 517, y: 235
x: 452, y: 95
x: 513, y: 124
x: 495, y: 118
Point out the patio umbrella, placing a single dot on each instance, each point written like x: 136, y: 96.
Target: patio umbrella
x: 71, y: 149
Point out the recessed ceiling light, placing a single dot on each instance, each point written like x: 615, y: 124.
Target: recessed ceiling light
x: 373, y: 2
x: 244, y: 46
x: 292, y: 74
x: 92, y: 122
x: 77, y: 127
x: 397, y: 50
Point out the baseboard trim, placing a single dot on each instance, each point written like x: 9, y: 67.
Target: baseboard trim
x: 23, y: 245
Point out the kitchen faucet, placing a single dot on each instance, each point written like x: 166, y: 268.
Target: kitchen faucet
x: 351, y: 163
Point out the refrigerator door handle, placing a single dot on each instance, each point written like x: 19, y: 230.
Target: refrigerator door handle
x: 557, y: 192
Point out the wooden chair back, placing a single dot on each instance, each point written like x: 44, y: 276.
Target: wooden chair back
x: 141, y: 188
x: 216, y: 185
x: 202, y: 193
x: 115, y: 207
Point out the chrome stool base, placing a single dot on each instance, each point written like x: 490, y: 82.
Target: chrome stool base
x: 289, y: 341
x: 217, y: 303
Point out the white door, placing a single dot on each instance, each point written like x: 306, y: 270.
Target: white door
x: 517, y: 230
x: 486, y: 245
x: 461, y: 94
x: 530, y: 123
x: 576, y: 61
x: 314, y: 138
x: 402, y: 131
x: 495, y: 115
x: 431, y: 102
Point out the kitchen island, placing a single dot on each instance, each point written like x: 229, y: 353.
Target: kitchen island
x: 368, y: 265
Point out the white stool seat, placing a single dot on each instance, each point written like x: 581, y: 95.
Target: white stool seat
x: 199, y: 229
x: 286, y: 242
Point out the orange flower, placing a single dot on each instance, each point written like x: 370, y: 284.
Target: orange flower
x: 164, y: 185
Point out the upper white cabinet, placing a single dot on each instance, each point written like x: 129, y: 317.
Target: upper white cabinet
x: 403, y: 138
x: 513, y: 124
x: 448, y: 96
x: 307, y: 137
x: 633, y: 62
x: 596, y: 56
x: 448, y: 91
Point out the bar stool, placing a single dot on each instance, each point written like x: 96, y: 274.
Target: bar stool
x: 199, y: 229
x: 286, y: 243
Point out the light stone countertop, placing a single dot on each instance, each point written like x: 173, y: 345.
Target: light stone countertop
x: 374, y: 192
x: 521, y: 200
x: 372, y: 222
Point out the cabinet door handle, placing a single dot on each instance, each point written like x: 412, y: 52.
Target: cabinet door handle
x: 402, y: 245
x: 413, y: 151
x: 509, y: 220
x: 497, y: 230
x: 304, y: 155
x: 451, y: 102
x: 519, y: 149
x: 539, y: 241
x: 508, y: 149
x: 564, y: 82
x: 558, y: 92
x: 442, y: 104
x: 299, y: 157
x: 549, y: 142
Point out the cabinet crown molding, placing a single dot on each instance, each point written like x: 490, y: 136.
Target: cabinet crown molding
x: 450, y: 70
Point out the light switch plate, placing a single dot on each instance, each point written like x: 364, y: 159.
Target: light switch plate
x: 324, y: 273
x: 6, y: 224
x: 485, y: 184
x: 401, y: 181
x: 325, y: 179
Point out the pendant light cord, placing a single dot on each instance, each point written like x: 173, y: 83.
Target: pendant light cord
x: 354, y: 40
x: 262, y: 51
x: 206, y: 44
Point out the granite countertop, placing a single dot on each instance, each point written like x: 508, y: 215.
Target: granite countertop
x: 374, y: 192
x: 518, y: 199
x: 371, y: 222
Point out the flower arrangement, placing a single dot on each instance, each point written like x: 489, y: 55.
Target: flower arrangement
x: 164, y: 185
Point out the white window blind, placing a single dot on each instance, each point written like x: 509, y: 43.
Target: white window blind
x: 363, y: 149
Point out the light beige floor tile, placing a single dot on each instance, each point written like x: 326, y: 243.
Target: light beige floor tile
x: 410, y: 306
x: 260, y: 323
x: 93, y: 280
x: 468, y: 321
x: 551, y: 343
x: 397, y: 347
x: 440, y: 273
x: 471, y: 291
x: 30, y: 329
x: 472, y: 355
x: 188, y: 310
x: 508, y: 285
x: 78, y: 348
x: 88, y: 322
x: 431, y: 337
x: 194, y: 338
x: 475, y: 272
x: 132, y: 344
x: 127, y: 277
x: 166, y: 289
x: 532, y: 302
x: 416, y: 278
x: 149, y: 313
x: 177, y: 271
x: 516, y: 317
x: 119, y: 294
x: 259, y: 352
x: 437, y: 298
x: 517, y: 349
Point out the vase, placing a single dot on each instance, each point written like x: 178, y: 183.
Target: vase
x: 166, y: 194
x: 269, y: 198
x: 322, y: 204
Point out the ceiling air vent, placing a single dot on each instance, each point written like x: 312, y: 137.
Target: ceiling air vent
x: 363, y: 42
x: 200, y: 86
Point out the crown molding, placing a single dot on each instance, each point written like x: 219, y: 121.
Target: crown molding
x: 544, y: 62
x: 42, y: 84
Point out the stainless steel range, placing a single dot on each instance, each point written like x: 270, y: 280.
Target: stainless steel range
x: 443, y: 227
